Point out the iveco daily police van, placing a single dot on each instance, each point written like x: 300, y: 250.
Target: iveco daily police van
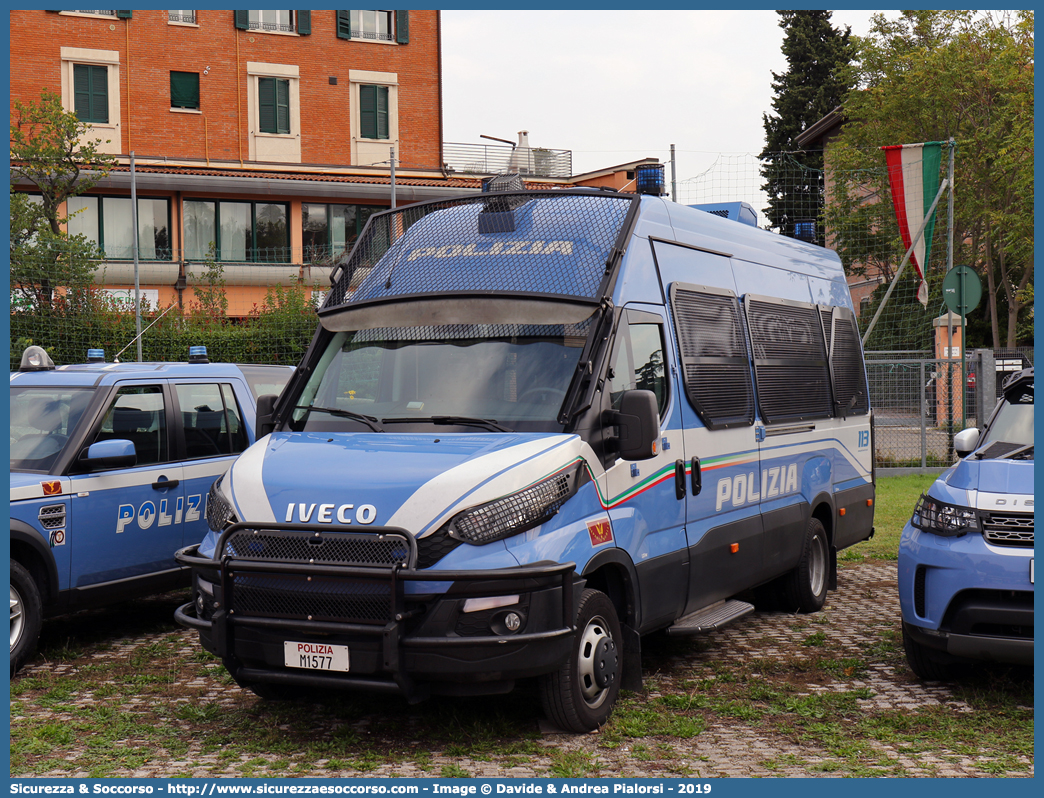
x: 966, y: 555
x: 531, y: 428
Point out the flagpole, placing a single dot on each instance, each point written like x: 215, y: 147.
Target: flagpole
x: 906, y: 258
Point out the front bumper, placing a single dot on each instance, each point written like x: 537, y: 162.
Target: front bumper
x: 266, y: 588
x: 966, y: 597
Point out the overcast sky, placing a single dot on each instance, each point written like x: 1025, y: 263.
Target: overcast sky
x: 617, y: 86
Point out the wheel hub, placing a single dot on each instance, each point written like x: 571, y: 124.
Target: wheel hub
x: 606, y: 663
x: 598, y: 662
x: 17, y: 618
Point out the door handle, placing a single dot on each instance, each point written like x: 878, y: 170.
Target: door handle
x: 167, y: 483
x: 697, y: 477
x: 679, y: 479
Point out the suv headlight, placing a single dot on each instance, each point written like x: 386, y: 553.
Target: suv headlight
x: 948, y: 520
x: 517, y: 512
x: 219, y: 510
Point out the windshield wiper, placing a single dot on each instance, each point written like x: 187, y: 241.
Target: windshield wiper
x: 370, y: 421
x: 488, y: 423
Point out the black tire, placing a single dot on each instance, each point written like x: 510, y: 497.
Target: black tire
x: 805, y: 588
x: 580, y: 696
x: 925, y: 662
x: 26, y: 616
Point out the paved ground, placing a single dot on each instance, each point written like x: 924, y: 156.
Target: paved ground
x: 860, y: 618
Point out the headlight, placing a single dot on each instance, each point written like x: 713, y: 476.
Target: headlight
x: 948, y: 520
x: 518, y: 512
x: 219, y: 511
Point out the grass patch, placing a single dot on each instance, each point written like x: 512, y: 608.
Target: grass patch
x: 893, y: 505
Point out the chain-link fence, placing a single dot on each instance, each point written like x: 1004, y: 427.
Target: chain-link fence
x: 68, y: 302
x: 921, y: 402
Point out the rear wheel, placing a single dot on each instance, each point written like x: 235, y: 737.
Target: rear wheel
x: 805, y: 587
x: 924, y: 661
x: 580, y: 696
x: 26, y: 616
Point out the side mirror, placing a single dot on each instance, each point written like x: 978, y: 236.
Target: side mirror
x: 965, y: 441
x: 264, y: 421
x: 638, y: 420
x: 115, y: 453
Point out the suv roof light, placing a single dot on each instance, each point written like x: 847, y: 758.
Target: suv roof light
x: 34, y: 358
x: 95, y: 355
x: 198, y: 354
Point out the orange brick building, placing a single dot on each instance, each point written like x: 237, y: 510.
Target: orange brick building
x: 267, y: 135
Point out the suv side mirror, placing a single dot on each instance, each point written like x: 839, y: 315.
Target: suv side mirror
x: 114, y: 453
x: 638, y: 420
x: 965, y: 441
x: 264, y: 422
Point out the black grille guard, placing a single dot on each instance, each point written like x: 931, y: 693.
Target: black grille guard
x: 467, y: 584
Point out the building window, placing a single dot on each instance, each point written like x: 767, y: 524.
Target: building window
x: 109, y: 223
x: 91, y: 93
x: 246, y: 232
x: 187, y: 17
x: 273, y: 105
x: 329, y: 231
x: 373, y: 112
x: 184, y: 90
x: 97, y: 13
x: 374, y: 26
x: 271, y: 20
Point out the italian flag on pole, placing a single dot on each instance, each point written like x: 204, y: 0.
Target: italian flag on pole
x: 913, y: 171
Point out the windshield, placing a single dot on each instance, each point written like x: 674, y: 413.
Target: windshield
x: 1014, y: 420
x: 43, y: 420
x: 422, y: 378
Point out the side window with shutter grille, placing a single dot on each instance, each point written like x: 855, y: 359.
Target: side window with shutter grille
x: 851, y: 396
x: 790, y: 360
x: 714, y: 360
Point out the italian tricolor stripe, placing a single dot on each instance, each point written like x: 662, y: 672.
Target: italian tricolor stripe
x: 913, y: 172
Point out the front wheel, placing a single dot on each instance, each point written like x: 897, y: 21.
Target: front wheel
x: 26, y: 616
x: 580, y: 695
x: 924, y: 661
x: 805, y: 587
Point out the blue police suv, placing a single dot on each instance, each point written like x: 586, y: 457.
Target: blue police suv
x: 966, y: 555
x: 110, y: 468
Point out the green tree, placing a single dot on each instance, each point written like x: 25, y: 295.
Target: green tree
x: 815, y: 83
x: 50, y: 148
x: 930, y: 76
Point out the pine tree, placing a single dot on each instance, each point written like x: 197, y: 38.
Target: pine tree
x: 815, y: 83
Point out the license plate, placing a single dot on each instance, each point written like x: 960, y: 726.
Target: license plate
x: 315, y: 656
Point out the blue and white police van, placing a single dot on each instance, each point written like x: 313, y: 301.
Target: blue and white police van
x: 531, y: 428
x: 110, y: 468
x: 966, y: 555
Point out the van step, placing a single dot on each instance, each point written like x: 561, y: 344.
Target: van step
x: 710, y: 618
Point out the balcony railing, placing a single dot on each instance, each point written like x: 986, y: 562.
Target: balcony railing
x: 182, y: 16
x: 491, y: 159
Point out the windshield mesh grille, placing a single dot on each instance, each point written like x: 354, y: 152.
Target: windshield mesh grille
x: 550, y: 242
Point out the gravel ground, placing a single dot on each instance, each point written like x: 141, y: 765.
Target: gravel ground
x: 862, y: 613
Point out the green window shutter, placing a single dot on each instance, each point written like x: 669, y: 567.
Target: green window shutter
x: 368, y: 112
x: 184, y: 90
x: 266, y: 105
x: 241, y: 19
x: 402, y: 27
x: 344, y: 25
x: 382, y: 112
x: 91, y: 93
x: 304, y: 22
x: 82, y: 91
x: 124, y: 14
x: 282, y: 106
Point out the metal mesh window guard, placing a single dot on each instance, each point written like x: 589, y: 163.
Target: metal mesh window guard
x: 538, y: 243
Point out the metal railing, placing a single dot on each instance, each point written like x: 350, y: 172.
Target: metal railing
x: 491, y: 159
x: 189, y: 17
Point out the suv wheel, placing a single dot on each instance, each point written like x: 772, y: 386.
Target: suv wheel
x: 26, y: 616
